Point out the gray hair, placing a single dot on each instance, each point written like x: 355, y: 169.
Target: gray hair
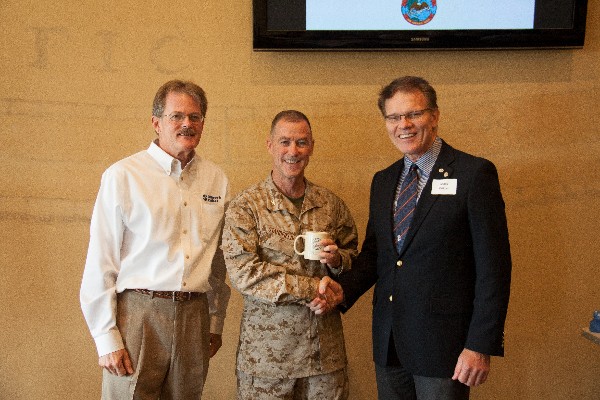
x: 178, y: 86
x: 290, y: 116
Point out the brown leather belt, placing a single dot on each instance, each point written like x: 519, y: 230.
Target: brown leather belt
x: 175, y: 296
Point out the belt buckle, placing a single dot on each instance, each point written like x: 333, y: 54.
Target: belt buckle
x: 181, y: 296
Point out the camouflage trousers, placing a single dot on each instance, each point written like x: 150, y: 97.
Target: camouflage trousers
x: 331, y: 386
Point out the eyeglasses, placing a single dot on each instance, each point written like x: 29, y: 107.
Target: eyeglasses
x: 178, y: 117
x: 410, y: 116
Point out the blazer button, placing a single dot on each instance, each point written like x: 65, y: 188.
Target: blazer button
x: 390, y: 297
x: 399, y: 263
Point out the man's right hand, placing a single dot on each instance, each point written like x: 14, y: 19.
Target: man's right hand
x: 330, y: 294
x: 117, y: 363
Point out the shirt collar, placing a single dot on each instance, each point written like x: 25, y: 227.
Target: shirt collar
x: 168, y: 163
x: 278, y: 201
x: 427, y: 160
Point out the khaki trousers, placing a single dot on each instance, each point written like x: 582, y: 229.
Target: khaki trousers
x: 168, y: 345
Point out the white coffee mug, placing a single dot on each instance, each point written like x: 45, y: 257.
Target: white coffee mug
x: 312, y: 246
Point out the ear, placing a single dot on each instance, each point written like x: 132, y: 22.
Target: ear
x: 436, y: 116
x: 155, y: 124
x: 269, y: 143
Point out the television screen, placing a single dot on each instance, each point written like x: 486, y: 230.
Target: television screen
x: 417, y: 24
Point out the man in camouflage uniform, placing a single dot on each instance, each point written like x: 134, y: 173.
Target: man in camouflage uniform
x: 286, y: 350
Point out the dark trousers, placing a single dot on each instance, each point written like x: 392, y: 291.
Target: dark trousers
x: 394, y: 382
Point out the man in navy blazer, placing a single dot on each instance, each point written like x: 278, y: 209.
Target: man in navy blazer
x: 441, y: 297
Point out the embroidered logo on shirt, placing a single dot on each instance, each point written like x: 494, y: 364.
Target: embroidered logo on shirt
x: 211, y: 199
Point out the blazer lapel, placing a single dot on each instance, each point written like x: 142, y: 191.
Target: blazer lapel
x: 442, y: 169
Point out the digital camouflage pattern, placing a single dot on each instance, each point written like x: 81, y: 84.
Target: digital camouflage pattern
x: 279, y: 336
x: 331, y: 386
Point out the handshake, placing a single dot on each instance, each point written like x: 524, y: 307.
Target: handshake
x: 329, y: 295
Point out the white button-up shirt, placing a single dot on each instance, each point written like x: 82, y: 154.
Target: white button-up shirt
x: 158, y: 227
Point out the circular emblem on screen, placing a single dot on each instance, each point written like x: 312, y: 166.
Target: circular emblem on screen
x: 418, y: 12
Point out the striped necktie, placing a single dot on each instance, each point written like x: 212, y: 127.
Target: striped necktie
x: 405, y: 206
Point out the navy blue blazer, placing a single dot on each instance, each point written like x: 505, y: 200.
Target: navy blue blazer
x: 448, y: 288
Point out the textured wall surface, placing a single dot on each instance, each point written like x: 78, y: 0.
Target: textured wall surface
x: 76, y: 88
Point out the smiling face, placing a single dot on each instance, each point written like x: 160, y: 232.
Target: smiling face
x: 179, y: 138
x: 413, y: 137
x: 291, y: 146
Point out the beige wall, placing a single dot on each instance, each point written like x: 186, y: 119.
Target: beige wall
x: 77, y: 83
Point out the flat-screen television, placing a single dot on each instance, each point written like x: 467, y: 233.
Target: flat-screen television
x: 418, y: 24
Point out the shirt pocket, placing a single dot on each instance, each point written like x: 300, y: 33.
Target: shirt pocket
x: 211, y: 220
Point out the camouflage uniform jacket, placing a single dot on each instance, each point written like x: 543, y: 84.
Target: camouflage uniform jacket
x: 279, y: 336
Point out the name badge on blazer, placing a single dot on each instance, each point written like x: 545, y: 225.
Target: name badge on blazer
x: 444, y: 186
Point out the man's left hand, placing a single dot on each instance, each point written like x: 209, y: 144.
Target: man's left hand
x: 330, y: 254
x: 216, y: 341
x: 472, y: 368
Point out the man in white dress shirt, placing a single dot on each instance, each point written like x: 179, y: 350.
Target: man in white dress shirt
x: 153, y: 291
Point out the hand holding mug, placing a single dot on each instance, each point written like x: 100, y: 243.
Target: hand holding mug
x: 330, y: 254
x: 312, y: 244
x: 319, y: 246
